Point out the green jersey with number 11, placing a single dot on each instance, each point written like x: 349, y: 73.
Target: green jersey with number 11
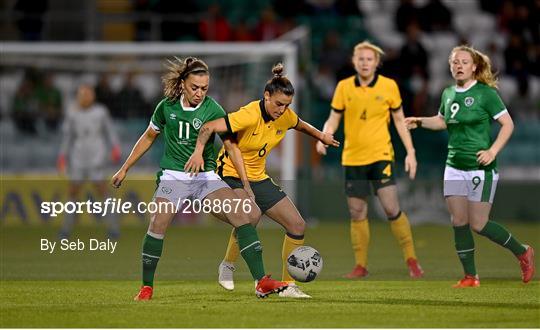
x: 468, y: 113
x: 180, y: 128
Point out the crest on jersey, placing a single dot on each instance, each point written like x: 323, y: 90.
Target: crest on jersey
x: 278, y: 132
x: 197, y: 123
x: 469, y: 101
x: 172, y: 116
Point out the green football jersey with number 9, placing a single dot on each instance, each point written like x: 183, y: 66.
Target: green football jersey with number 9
x: 180, y: 128
x: 468, y: 114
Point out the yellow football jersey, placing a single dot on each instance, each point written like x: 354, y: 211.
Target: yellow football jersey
x: 257, y: 134
x: 367, y: 116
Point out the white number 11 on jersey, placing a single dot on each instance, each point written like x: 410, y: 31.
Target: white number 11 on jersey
x: 180, y: 130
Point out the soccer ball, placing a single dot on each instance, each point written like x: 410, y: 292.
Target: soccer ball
x: 304, y: 264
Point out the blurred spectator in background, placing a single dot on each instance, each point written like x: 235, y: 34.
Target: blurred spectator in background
x: 287, y: 8
x: 515, y: 57
x: 332, y: 52
x: 522, y: 107
x: 214, y: 26
x: 25, y: 111
x: 494, y: 52
x: 322, y: 7
x: 131, y: 103
x: 505, y: 15
x: 87, y: 136
x: 435, y: 16
x: 106, y: 96
x: 491, y: 6
x: 242, y: 32
x: 347, y: 8
x: 521, y: 22
x: 172, y: 28
x: 406, y: 13
x: 268, y: 26
x: 413, y: 71
x: 324, y: 81
x: 31, y: 13
x: 143, y: 27
x: 50, y: 102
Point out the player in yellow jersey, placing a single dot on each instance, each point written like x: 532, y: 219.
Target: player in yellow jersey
x: 258, y: 127
x: 367, y: 100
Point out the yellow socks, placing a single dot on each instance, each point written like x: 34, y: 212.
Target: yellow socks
x: 360, y: 240
x: 290, y: 242
x: 233, y: 251
x: 402, y: 232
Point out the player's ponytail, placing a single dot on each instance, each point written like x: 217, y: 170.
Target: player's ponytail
x: 179, y: 70
x: 279, y: 83
x: 483, y: 71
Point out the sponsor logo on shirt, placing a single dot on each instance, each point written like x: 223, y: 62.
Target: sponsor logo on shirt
x: 279, y: 132
x: 172, y: 116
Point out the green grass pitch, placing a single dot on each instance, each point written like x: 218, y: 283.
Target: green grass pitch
x: 95, y: 289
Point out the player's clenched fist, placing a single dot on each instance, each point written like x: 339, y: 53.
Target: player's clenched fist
x: 412, y: 122
x: 118, y: 177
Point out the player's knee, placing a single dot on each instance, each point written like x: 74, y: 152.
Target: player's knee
x: 459, y: 220
x: 392, y: 213
x: 254, y: 215
x: 297, y: 227
x: 477, y: 225
x: 156, y: 226
x: 238, y: 218
x: 358, y: 212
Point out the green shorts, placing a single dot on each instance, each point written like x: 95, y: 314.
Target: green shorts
x: 267, y: 193
x: 362, y: 181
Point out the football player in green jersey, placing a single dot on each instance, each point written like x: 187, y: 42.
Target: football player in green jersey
x: 470, y: 177
x: 179, y: 116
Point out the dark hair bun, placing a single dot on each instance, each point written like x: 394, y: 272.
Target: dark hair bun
x: 277, y: 70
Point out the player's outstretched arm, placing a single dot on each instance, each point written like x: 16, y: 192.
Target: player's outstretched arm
x: 330, y: 126
x: 143, y: 144
x: 325, y: 138
x: 405, y: 136
x: 238, y: 161
x: 195, y: 163
x: 435, y: 123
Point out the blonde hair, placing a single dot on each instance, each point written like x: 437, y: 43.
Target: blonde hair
x: 178, y: 71
x: 368, y: 45
x: 483, y: 71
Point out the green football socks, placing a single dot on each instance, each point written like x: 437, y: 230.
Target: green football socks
x: 251, y: 249
x: 464, y: 243
x: 503, y: 237
x: 151, y: 252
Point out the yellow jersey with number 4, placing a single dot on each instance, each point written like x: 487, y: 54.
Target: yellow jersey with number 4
x: 257, y: 134
x: 366, y: 111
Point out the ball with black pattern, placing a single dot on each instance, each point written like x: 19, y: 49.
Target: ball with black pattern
x: 304, y: 264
